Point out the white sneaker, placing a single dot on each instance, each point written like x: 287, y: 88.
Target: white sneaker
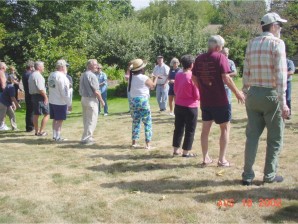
x: 172, y: 114
x: 4, y: 128
x: 105, y: 114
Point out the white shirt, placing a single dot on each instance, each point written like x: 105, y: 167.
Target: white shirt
x: 163, y: 73
x: 59, y: 89
x: 138, y: 86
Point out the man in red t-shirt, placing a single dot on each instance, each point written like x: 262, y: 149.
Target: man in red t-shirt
x: 210, y: 73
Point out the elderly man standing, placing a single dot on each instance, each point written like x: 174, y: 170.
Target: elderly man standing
x: 265, y: 82
x: 39, y: 98
x: 29, y: 107
x: 161, y: 70
x: 89, y: 90
x: 59, y: 98
x: 210, y: 73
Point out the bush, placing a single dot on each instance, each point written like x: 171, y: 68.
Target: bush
x: 121, y: 89
x: 114, y: 73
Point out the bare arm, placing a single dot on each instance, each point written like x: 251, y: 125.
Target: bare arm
x: 45, y: 97
x: 2, y: 80
x: 230, y: 83
x: 15, y: 103
x: 98, y: 96
x: 151, y: 84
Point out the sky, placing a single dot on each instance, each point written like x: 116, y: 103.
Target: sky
x: 138, y: 4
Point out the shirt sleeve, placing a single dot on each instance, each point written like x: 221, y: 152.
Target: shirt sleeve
x: 63, y: 86
x: 246, y: 72
x: 232, y: 66
x: 94, y: 83
x: 291, y: 66
x: 280, y: 72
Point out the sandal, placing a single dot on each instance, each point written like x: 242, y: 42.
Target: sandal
x: 41, y: 133
x: 225, y: 164
x: 177, y: 153
x: 204, y: 164
x: 189, y: 155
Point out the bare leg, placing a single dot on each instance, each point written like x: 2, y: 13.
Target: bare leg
x: 44, y: 122
x: 223, y: 141
x: 171, y: 99
x: 35, y: 123
x: 57, y: 128
x: 204, y: 140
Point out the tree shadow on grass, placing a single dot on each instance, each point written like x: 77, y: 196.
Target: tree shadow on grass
x: 34, y: 141
x: 130, y: 156
x: 94, y: 146
x: 285, y: 214
x: 170, y: 185
x: 255, y: 194
x: 131, y: 166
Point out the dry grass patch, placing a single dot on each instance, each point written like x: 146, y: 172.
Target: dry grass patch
x: 42, y: 181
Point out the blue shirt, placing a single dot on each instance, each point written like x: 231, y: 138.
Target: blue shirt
x: 291, y: 67
x: 102, y: 78
x: 172, y: 74
x: 8, y: 92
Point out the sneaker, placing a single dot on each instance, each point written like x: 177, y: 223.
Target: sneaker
x: 276, y: 179
x: 16, y: 129
x: 60, y: 139
x: 172, y: 114
x: 105, y: 114
x: 4, y: 128
x: 246, y: 182
x: 88, y: 142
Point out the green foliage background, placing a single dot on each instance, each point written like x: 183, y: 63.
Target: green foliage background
x: 114, y: 33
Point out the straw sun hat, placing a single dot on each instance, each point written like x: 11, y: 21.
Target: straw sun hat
x: 137, y: 64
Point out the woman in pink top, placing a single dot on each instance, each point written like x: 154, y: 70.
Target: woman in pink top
x: 186, y: 108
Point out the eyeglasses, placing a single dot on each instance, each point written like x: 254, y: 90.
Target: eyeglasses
x: 279, y: 24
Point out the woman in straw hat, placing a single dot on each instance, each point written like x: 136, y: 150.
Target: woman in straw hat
x: 139, y: 88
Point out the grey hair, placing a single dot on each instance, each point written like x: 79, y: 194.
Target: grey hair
x: 173, y: 61
x: 226, y: 50
x: 2, y: 65
x: 37, y: 64
x: 29, y: 64
x: 91, y: 62
x: 215, y: 41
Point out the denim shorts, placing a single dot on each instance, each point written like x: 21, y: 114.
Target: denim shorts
x: 218, y: 114
x: 58, y: 112
x: 39, y: 108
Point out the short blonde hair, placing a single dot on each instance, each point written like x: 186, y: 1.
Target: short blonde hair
x: 174, y: 60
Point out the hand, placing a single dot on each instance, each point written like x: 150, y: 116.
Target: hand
x: 102, y: 102
x: 165, y: 85
x: 13, y: 107
x: 285, y: 112
x: 240, y: 97
x: 46, y: 101
x: 18, y: 106
x: 70, y: 108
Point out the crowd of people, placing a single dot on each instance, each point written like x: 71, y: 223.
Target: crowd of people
x: 205, y: 81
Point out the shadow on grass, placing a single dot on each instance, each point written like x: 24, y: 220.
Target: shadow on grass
x: 35, y: 141
x: 170, y: 185
x: 286, y: 214
x: 255, y: 194
x: 95, y: 146
x: 150, y: 156
x: 127, y: 166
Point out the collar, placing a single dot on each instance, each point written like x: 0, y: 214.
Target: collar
x: 267, y: 34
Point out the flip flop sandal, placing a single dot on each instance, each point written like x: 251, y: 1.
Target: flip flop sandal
x: 204, y: 164
x: 225, y: 164
x: 189, y: 155
x: 177, y: 153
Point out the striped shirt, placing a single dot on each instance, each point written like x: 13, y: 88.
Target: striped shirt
x: 265, y: 65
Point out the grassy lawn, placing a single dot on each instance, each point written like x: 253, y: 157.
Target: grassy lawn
x: 43, y: 181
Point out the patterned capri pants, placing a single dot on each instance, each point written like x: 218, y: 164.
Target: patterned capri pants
x: 140, y: 111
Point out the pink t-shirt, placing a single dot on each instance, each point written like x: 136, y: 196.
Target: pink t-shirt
x: 186, y: 93
x: 208, y: 69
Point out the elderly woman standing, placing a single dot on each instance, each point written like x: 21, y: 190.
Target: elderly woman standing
x: 171, y: 80
x: 139, y: 88
x: 186, y: 108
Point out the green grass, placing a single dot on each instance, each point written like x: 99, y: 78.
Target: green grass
x: 43, y: 181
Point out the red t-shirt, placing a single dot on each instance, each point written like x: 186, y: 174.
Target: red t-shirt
x: 208, y: 69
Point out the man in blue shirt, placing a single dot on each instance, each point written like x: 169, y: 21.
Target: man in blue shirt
x: 8, y: 104
x: 103, y: 87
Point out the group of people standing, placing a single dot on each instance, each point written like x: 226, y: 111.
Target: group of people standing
x: 207, y: 80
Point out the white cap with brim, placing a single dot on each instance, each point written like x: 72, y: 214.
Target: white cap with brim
x: 271, y: 17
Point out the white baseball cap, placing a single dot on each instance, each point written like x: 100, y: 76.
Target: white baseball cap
x: 271, y: 18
